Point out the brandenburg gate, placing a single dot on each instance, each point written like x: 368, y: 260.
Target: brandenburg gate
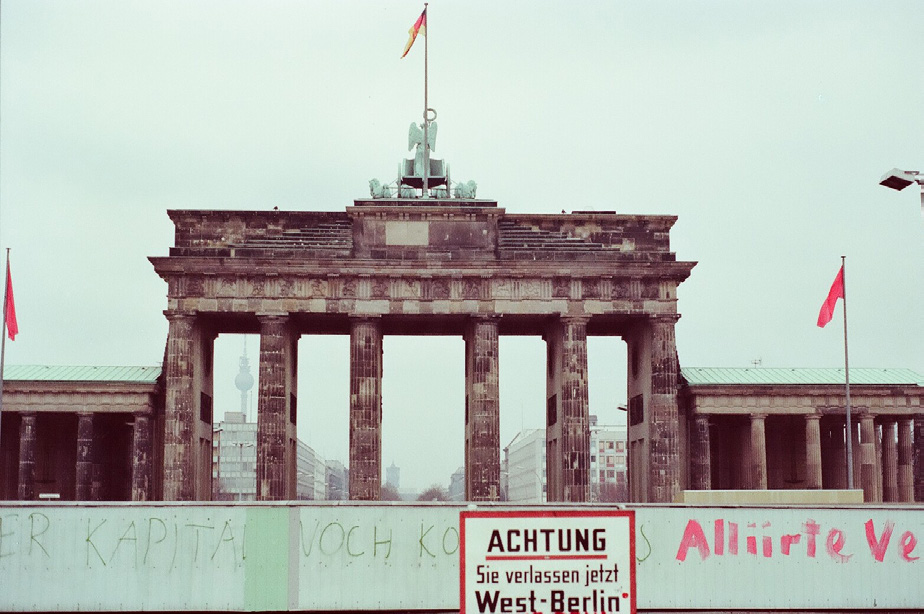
x: 411, y: 266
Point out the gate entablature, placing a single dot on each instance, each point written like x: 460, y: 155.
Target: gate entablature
x: 447, y: 266
x: 389, y: 259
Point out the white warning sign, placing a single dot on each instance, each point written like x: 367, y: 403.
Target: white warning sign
x: 547, y: 561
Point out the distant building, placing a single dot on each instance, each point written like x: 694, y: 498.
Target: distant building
x: 234, y: 459
x: 526, y: 474
x: 608, y: 463
x: 82, y: 433
x: 525, y: 469
x: 311, y: 480
x: 244, y: 382
x: 782, y: 428
x: 457, y: 485
x: 338, y: 481
x: 393, y: 476
x: 234, y: 463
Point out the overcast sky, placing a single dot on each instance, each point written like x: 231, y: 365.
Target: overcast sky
x: 764, y: 127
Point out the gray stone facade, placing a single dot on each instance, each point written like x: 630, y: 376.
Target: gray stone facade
x: 448, y: 267
x: 786, y: 435
x: 82, y: 433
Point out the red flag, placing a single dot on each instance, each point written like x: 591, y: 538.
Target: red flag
x: 420, y: 26
x: 836, y: 292
x: 10, y: 314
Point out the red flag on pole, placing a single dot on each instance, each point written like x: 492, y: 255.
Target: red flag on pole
x: 836, y: 292
x: 9, y: 315
x: 420, y: 26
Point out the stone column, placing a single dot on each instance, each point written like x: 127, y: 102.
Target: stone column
x: 905, y: 462
x: 84, y: 489
x: 553, y: 457
x: 812, y: 451
x: 758, y: 452
x: 868, y: 465
x: 856, y: 465
x: 365, y: 409
x: 919, y: 458
x: 889, y: 462
x: 575, y: 412
x: 96, y: 483
x: 180, y: 411
x: 700, y: 454
x: 836, y: 457
x: 27, y: 436
x: 664, y: 417
x: 275, y: 410
x: 482, y: 411
x: 141, y: 458
x: 567, y: 411
x: 877, y: 438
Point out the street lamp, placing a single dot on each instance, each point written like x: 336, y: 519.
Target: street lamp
x: 898, y: 179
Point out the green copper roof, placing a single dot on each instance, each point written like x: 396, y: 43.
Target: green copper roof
x: 700, y: 376
x: 48, y: 373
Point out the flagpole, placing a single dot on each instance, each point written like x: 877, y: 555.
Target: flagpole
x: 847, y: 379
x: 426, y: 164
x: 3, y: 332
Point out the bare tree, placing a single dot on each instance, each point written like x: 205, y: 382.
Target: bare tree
x: 389, y: 493
x: 434, y: 493
x: 611, y: 492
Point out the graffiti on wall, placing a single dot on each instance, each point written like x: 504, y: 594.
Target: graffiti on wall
x: 765, y: 540
x: 69, y: 556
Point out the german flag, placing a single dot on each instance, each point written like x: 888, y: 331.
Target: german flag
x: 419, y: 27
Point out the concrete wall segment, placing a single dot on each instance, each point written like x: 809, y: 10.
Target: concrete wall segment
x: 106, y: 557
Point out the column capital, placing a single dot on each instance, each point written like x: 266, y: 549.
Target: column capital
x: 573, y: 319
x: 664, y: 318
x: 370, y: 317
x: 815, y: 417
x: 556, y: 327
x: 758, y: 416
x: 271, y: 316
x: 173, y: 315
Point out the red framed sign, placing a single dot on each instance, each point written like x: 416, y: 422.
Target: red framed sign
x: 547, y: 561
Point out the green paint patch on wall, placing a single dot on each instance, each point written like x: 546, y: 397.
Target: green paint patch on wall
x: 266, y: 563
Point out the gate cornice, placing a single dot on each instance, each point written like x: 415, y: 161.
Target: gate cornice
x: 677, y: 271
x: 408, y: 258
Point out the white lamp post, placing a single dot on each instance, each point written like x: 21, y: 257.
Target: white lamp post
x: 898, y: 179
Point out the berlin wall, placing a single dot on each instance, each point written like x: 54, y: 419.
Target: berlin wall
x: 282, y: 556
